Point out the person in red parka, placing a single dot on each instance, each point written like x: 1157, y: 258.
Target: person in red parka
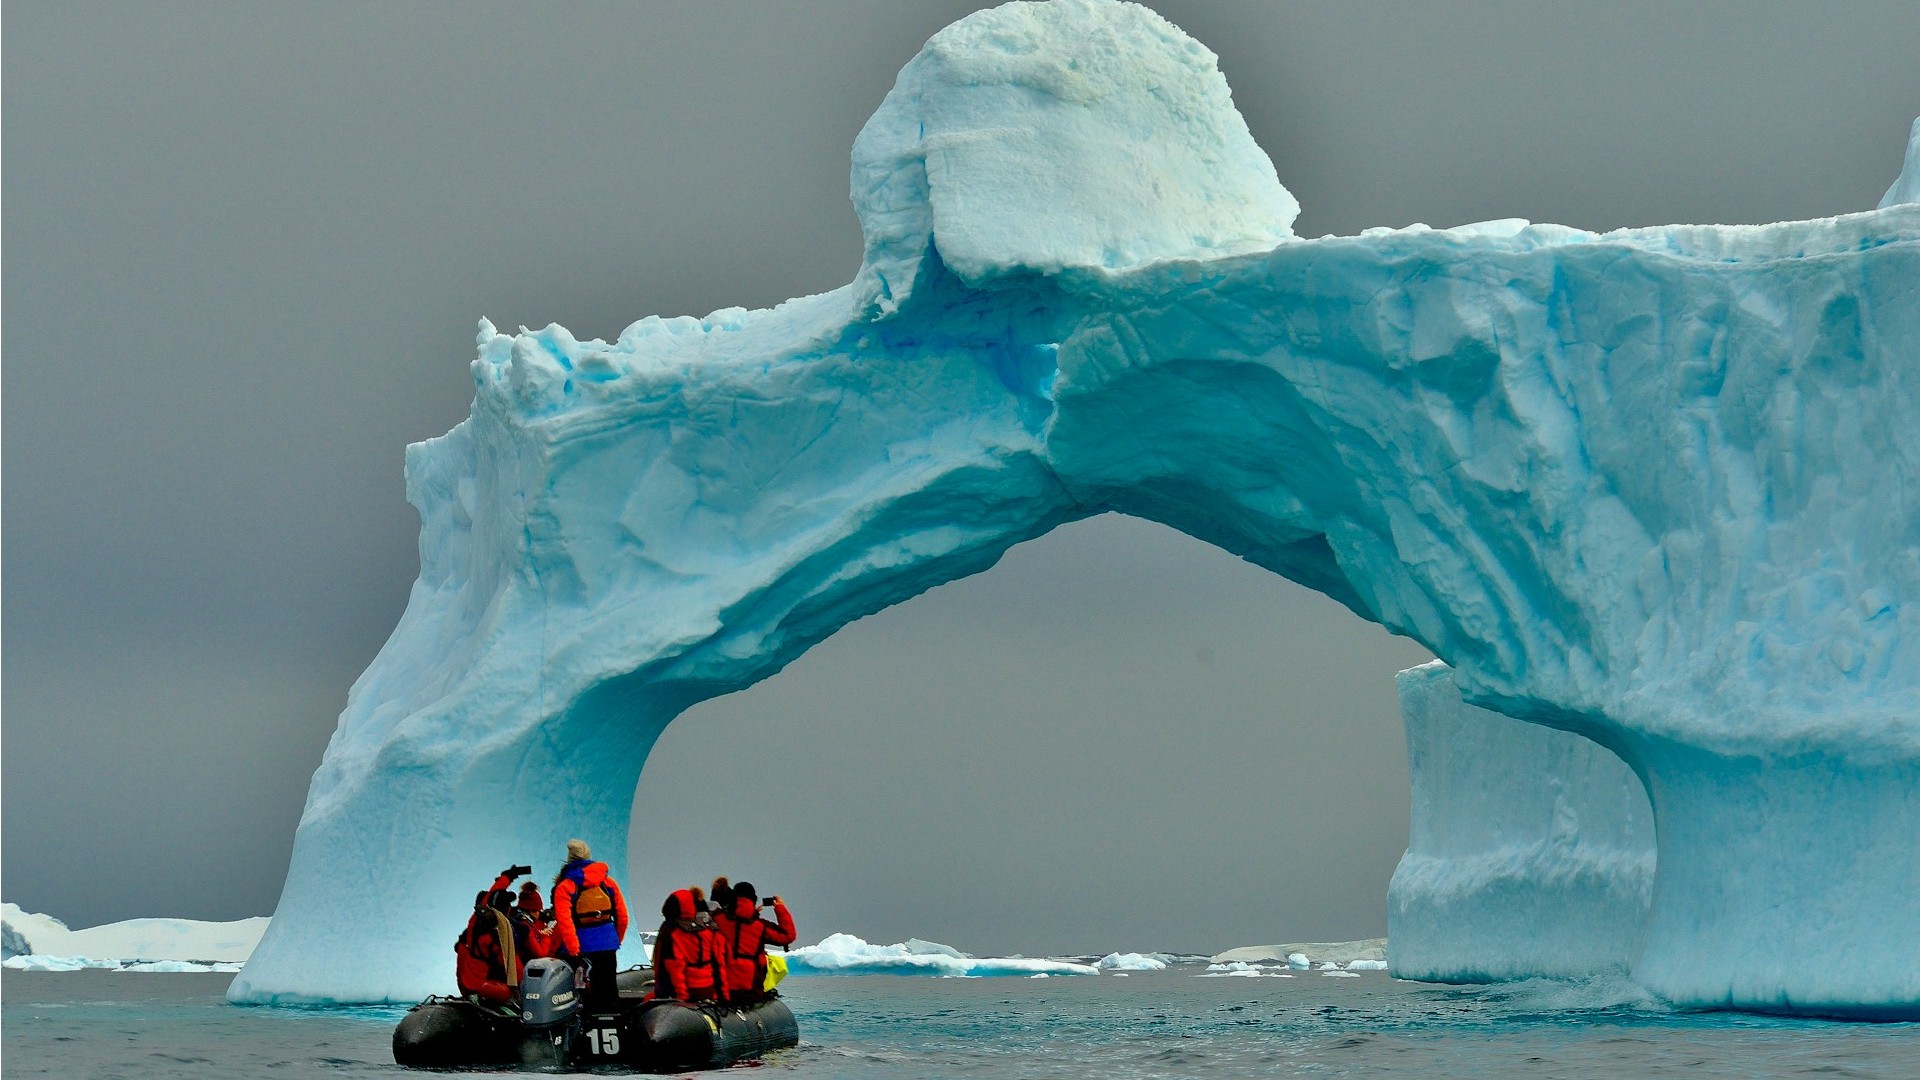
x: 591, y: 917
x: 490, y: 953
x: 744, y: 938
x: 686, y: 956
x: 542, y: 938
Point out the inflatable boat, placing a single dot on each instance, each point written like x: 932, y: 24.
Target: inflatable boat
x: 551, y: 1031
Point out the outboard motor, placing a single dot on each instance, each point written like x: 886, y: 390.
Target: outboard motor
x: 547, y: 994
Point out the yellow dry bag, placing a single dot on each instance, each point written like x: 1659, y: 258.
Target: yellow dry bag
x: 776, y: 970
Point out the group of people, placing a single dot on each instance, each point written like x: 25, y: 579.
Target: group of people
x: 706, y: 950
x: 584, y: 926
x: 716, y: 950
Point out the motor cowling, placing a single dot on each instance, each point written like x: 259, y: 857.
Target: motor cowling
x: 547, y: 993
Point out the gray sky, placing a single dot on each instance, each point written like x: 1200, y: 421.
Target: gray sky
x: 245, y: 247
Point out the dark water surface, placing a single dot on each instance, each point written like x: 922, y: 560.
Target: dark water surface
x: 111, y: 1024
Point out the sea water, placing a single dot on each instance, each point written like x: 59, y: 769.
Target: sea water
x: 1173, y: 1023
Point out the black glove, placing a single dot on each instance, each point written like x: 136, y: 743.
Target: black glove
x: 512, y: 872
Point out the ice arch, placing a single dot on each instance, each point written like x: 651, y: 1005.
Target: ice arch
x: 1653, y: 486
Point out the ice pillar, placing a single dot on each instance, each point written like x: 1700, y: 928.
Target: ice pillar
x: 1531, y: 850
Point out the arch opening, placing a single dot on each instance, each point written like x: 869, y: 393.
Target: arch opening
x: 1152, y: 743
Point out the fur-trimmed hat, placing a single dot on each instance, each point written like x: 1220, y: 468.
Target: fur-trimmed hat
x: 678, y: 905
x: 578, y: 849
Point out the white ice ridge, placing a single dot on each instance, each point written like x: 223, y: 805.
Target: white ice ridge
x: 845, y: 954
x: 1307, y: 953
x: 1531, y: 851
x: 1653, y: 486
x: 36, y: 942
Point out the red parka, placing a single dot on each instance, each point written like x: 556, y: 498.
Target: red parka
x: 543, y: 938
x: 487, y: 958
x: 744, y: 937
x: 575, y: 876
x: 687, y: 964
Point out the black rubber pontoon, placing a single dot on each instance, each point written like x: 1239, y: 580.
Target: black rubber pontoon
x: 649, y: 1036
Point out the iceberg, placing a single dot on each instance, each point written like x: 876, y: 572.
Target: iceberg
x: 37, y: 962
x: 1132, y: 961
x: 1651, y: 487
x: 1239, y: 969
x: 845, y: 954
x: 37, y: 942
x: 1531, y: 851
x: 1307, y: 953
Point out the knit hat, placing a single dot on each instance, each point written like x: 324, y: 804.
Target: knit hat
x: 577, y: 849
x: 722, y: 894
x: 530, y: 897
x: 746, y: 889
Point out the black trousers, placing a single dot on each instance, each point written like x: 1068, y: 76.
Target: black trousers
x: 603, y: 981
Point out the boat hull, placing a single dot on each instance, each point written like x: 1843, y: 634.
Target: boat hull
x: 648, y: 1036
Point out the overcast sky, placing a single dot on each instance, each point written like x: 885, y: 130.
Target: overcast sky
x: 245, y: 249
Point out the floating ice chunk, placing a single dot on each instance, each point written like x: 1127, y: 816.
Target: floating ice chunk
x: 1336, y: 973
x: 1338, y: 952
x: 179, y: 966
x: 137, y: 939
x: 1367, y: 965
x: 845, y: 954
x: 43, y: 962
x: 1298, y: 961
x: 1132, y: 961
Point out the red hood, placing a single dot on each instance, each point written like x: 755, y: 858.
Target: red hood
x: 744, y: 908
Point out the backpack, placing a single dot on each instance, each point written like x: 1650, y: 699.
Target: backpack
x: 593, y: 906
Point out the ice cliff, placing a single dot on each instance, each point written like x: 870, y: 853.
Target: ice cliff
x: 1652, y: 486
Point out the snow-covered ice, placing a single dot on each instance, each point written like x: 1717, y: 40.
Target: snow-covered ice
x: 37, y: 962
x: 128, y: 943
x: 1650, y: 486
x: 1307, y: 953
x: 1241, y: 970
x: 845, y: 954
x: 1531, y: 850
x: 1132, y: 961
